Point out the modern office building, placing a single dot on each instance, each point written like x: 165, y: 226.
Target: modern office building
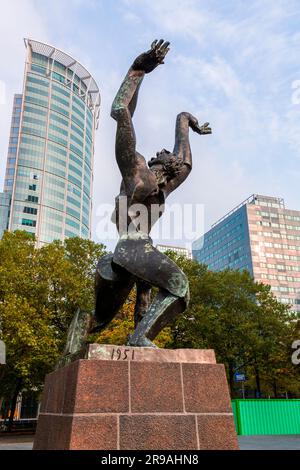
x: 262, y: 236
x: 178, y: 249
x: 49, y: 173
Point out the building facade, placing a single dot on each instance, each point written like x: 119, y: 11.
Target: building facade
x: 262, y: 236
x: 49, y: 172
x: 179, y: 250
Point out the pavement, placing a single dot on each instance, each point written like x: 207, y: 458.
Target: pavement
x: 16, y: 442
x: 291, y: 442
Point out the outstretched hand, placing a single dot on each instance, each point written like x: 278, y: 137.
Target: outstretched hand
x: 202, y: 130
x: 149, y: 60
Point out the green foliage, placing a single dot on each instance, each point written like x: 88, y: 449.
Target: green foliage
x: 122, y: 326
x: 40, y: 291
x: 243, y: 322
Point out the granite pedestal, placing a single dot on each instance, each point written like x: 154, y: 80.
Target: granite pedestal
x: 137, y: 398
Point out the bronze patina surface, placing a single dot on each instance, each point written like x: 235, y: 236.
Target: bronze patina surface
x: 135, y: 259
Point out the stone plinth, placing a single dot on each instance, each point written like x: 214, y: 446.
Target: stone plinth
x: 137, y: 398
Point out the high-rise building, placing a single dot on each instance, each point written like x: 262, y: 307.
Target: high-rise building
x: 181, y: 251
x: 262, y: 236
x: 49, y: 173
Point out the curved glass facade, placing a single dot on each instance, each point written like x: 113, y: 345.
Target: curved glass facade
x: 54, y: 165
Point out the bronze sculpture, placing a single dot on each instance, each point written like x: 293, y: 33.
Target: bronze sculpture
x: 135, y: 259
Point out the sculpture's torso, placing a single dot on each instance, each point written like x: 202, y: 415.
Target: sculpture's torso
x: 145, y: 201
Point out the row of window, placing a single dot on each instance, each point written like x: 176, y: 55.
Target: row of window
x: 275, y: 225
x: 222, y: 249
x: 296, y: 218
x: 232, y: 255
x: 291, y: 290
x: 282, y: 246
x: 216, y: 232
x: 285, y: 300
x: 282, y: 256
x: 279, y: 235
x: 208, y: 246
x: 280, y: 267
x: 62, y: 107
x: 231, y: 265
x: 273, y: 277
x: 269, y: 204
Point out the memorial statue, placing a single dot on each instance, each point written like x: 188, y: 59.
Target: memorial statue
x: 135, y: 260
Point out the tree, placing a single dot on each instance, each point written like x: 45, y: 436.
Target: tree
x: 241, y: 320
x: 122, y: 326
x: 32, y: 347
x: 40, y: 291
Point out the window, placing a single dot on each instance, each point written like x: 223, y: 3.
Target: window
x: 38, y: 81
x: 30, y: 210
x: 32, y: 187
x: 33, y: 198
x: 58, y: 129
x: 35, y: 110
x: 18, y: 100
x: 59, y: 109
x: 58, y: 77
x: 60, y: 100
x: 59, y: 119
x: 38, y: 69
x: 31, y: 89
x: 34, y: 100
x: 72, y: 223
x: 74, y: 213
x: 61, y: 90
x: 29, y: 222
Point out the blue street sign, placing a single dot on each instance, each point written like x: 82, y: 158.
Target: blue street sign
x: 239, y: 377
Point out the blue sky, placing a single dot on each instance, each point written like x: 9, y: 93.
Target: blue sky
x: 231, y: 63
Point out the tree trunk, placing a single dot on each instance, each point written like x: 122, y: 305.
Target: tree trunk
x: 13, y: 405
x: 257, y: 380
x: 231, y: 379
x: 275, y: 388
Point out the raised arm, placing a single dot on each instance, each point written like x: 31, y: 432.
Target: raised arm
x: 123, y: 108
x: 144, y: 63
x: 182, y: 149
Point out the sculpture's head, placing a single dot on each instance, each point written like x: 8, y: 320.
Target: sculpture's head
x: 165, y: 166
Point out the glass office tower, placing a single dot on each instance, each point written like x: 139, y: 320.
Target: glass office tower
x: 50, y: 174
x: 262, y: 236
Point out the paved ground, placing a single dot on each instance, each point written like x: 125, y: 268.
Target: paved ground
x: 291, y: 442
x: 246, y: 442
x: 16, y: 442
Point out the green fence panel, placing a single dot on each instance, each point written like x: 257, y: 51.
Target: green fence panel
x: 260, y: 416
x: 235, y: 415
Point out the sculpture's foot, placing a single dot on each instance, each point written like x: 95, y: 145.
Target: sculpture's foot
x: 140, y: 341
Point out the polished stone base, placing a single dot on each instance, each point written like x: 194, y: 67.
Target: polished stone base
x: 137, y: 398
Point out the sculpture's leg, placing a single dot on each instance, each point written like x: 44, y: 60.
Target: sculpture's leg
x: 143, y: 293
x: 164, y: 308
x: 112, y: 288
x: 136, y: 254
